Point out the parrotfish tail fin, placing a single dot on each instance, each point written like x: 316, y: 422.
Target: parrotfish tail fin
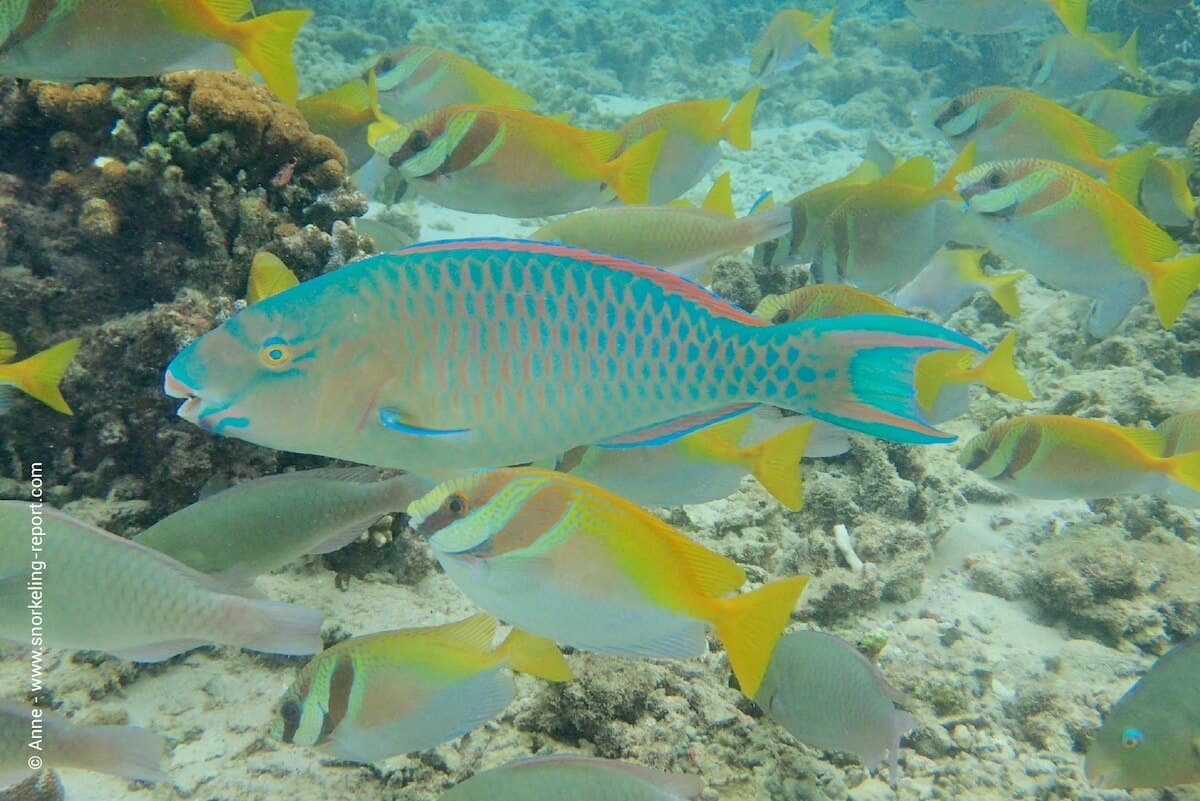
x: 1185, y: 469
x: 629, y: 173
x: 1128, y: 56
x: 736, y: 128
x: 872, y: 360
x: 998, y: 372
x: 750, y: 625
x: 776, y: 464
x: 273, y: 627
x: 963, y: 162
x: 535, y: 655
x: 820, y: 35
x: 126, y: 751
x: 266, y: 42
x: 720, y: 196
x: 1003, y: 289
x: 1124, y: 173
x: 1072, y: 13
x: 1171, y: 283
x: 41, y: 374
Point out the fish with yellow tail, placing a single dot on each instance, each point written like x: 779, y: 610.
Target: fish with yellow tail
x: 1182, y: 435
x: 787, y: 39
x: 998, y: 16
x: 1076, y: 234
x: 952, y: 277
x: 1166, y: 194
x: 694, y: 132
x: 1116, y: 110
x: 1068, y: 65
x: 1008, y: 123
x: 395, y: 692
x: 38, y: 376
x: 563, y: 558
x: 1055, y: 457
x: 69, y: 41
x: 496, y: 160
x: 494, y: 368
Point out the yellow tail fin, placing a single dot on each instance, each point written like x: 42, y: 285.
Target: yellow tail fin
x: 936, y: 370
x: 776, y: 464
x: 1003, y: 289
x: 963, y: 162
x: 39, y: 375
x: 736, y: 128
x: 1171, y: 283
x: 819, y: 35
x: 1072, y: 13
x: 1185, y: 468
x: 266, y: 42
x: 629, y: 174
x: 720, y: 196
x: 750, y: 625
x: 1128, y: 56
x: 1125, y: 172
x: 998, y: 372
x: 535, y: 655
x: 381, y: 124
x: 268, y: 276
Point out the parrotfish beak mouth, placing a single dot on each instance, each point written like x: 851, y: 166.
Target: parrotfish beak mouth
x: 214, y: 420
x: 174, y: 388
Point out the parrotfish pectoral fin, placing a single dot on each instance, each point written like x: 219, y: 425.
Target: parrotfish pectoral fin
x: 394, y: 421
x: 671, y: 430
x: 158, y: 651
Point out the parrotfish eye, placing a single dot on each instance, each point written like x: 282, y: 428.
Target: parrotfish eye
x: 275, y: 353
x: 418, y: 141
x: 1131, y: 738
x: 456, y: 505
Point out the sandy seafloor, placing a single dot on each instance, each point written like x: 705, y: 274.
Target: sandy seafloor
x: 1011, y: 625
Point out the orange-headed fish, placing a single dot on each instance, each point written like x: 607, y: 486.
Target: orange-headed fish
x: 565, y: 559
x: 1066, y: 66
x: 1008, y: 123
x: 38, y: 376
x: 514, y: 163
x: 787, y: 39
x: 694, y: 130
x: 1116, y: 110
x: 394, y: 692
x: 1076, y: 234
x: 998, y: 16
x: 952, y: 277
x: 1053, y: 456
x: 54, y: 40
x: 415, y: 80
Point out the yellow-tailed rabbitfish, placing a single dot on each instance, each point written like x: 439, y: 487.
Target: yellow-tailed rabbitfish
x: 38, y: 376
x: 415, y: 80
x: 576, y: 778
x: 565, y: 559
x: 372, y: 697
x: 786, y: 40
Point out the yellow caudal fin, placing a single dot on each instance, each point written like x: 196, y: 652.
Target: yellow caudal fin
x: 936, y: 370
x: 820, y: 34
x: 998, y: 371
x: 750, y: 625
x: 39, y: 375
x: 268, y: 276
x: 963, y: 162
x: 1128, y: 56
x: 629, y: 174
x: 1185, y: 468
x: 736, y: 128
x: 1003, y: 289
x: 381, y: 124
x: 1125, y: 172
x: 720, y: 196
x: 535, y: 655
x: 266, y: 42
x: 1171, y: 283
x: 1072, y: 14
x: 776, y: 464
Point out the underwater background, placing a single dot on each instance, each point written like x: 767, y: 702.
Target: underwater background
x: 130, y: 212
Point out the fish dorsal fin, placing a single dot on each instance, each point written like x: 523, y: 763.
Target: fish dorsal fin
x: 728, y: 433
x: 228, y: 10
x: 720, y: 196
x: 1101, y: 140
x: 711, y: 574
x: 475, y: 632
x: 563, y: 116
x: 8, y: 347
x: 919, y: 172
x: 600, y: 145
x: 268, y: 276
x: 764, y: 202
x: 1108, y: 41
x: 1146, y: 439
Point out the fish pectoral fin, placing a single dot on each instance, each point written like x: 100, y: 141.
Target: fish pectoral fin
x: 396, y: 421
x: 346, y: 536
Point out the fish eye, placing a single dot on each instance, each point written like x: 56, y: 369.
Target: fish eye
x: 275, y: 353
x: 385, y: 64
x: 781, y: 317
x: 290, y: 711
x: 1131, y: 738
x: 956, y: 106
x: 456, y: 505
x: 418, y: 141
x: 994, y: 178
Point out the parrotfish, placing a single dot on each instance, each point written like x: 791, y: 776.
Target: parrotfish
x: 372, y: 697
x: 105, y: 593
x: 52, y: 40
x: 1165, y: 194
x: 1181, y: 434
x: 1066, y: 66
x: 694, y: 131
x: 1008, y: 123
x: 881, y: 236
x: 786, y: 40
x: 1054, y: 456
x: 1076, y: 234
x: 470, y: 353
x: 830, y: 696
x: 496, y: 160
x: 952, y: 277
x: 415, y: 80
x: 1116, y: 110
x: 679, y: 239
x: 126, y: 751
x: 998, y: 16
x: 563, y: 558
x: 1149, y: 736
x: 261, y: 525
x: 577, y: 778
x: 38, y: 376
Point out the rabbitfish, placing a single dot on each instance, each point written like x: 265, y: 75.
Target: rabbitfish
x: 38, y: 376
x: 558, y: 778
